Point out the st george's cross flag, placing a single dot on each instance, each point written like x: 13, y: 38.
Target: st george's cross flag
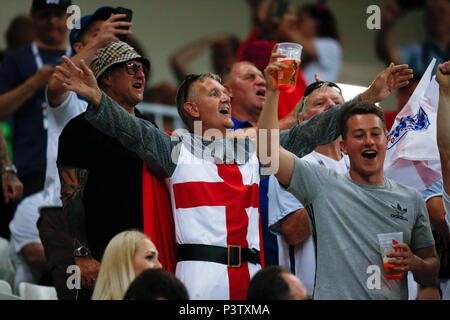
x: 412, y: 157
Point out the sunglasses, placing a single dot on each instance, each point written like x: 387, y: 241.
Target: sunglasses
x: 132, y: 68
x: 186, y: 84
x: 318, y: 84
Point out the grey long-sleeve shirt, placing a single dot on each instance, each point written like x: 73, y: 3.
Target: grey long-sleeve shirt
x: 160, y: 151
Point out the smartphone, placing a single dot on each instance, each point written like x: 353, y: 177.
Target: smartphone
x: 129, y: 13
x: 411, y: 4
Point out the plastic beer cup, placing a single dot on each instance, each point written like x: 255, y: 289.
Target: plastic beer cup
x: 387, y: 241
x: 288, y: 77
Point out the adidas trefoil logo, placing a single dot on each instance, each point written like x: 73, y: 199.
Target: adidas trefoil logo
x: 399, y: 212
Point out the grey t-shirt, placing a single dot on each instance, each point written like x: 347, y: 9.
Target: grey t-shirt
x: 345, y: 218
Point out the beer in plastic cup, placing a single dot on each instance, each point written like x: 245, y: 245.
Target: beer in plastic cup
x: 387, y: 241
x: 288, y: 77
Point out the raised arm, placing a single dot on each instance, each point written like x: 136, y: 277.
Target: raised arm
x: 443, y: 122
x: 11, y: 101
x: 443, y: 132
x: 179, y: 60
x: 391, y: 78
x: 268, y: 146
x: 56, y: 93
x: 284, y: 124
x: 322, y: 128
x: 137, y: 135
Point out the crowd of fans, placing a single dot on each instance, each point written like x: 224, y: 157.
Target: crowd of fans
x: 206, y: 212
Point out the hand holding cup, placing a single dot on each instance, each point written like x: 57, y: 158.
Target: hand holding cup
x: 287, y: 77
x: 272, y: 69
x: 388, y: 243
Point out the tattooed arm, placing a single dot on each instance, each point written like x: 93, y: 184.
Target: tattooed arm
x: 4, y: 155
x: 73, y: 180
x: 11, y: 186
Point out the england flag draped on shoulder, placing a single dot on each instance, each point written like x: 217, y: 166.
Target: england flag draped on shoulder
x: 413, y: 156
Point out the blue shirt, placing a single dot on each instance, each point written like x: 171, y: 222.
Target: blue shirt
x: 29, y: 136
x: 435, y: 190
x: 419, y: 55
x: 238, y: 124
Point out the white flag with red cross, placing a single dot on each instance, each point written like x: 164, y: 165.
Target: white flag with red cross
x: 412, y: 157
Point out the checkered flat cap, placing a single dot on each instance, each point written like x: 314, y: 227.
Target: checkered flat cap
x: 114, y: 53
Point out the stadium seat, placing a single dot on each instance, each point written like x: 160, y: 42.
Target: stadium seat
x: 6, y: 296
x: 5, y: 287
x: 31, y: 291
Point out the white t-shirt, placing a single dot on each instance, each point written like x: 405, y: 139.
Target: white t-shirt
x: 328, y: 63
x: 299, y: 259
x: 23, y: 226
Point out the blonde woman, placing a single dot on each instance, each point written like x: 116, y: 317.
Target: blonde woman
x: 126, y: 256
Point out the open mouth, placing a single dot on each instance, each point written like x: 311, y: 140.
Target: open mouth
x: 369, y: 154
x: 261, y: 93
x: 225, y: 110
x: 137, y: 85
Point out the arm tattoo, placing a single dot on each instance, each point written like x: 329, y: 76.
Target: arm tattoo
x: 73, y: 180
x: 4, y: 153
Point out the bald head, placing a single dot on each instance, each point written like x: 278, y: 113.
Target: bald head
x: 296, y: 289
x: 275, y: 283
x: 248, y: 89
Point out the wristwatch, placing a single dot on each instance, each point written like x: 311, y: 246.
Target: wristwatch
x: 11, y: 168
x: 81, y: 251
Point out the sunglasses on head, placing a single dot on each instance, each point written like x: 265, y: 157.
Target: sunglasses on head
x: 185, y: 85
x: 318, y: 84
x: 132, y: 68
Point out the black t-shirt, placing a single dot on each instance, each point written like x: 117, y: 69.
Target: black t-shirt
x: 113, y: 192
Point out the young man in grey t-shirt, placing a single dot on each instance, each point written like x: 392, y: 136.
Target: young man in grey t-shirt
x: 346, y: 212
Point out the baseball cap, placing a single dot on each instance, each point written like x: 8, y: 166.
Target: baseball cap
x: 42, y: 4
x: 101, y: 14
x: 258, y: 52
x: 114, y: 53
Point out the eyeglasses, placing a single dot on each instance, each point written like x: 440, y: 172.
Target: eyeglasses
x: 132, y: 68
x: 318, y: 84
x: 185, y: 85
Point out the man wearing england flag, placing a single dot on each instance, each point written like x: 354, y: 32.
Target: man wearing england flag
x: 213, y: 182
